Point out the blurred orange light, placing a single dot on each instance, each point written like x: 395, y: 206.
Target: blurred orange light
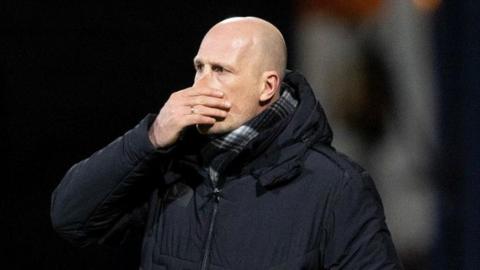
x: 348, y: 9
x: 427, y: 5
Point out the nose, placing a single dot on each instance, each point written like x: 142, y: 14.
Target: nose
x: 205, y: 79
x: 202, y: 78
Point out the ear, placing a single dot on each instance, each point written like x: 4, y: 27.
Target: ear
x: 271, y: 83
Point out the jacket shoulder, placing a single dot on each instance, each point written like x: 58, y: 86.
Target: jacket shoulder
x: 340, y: 160
x: 336, y: 166
x: 351, y: 178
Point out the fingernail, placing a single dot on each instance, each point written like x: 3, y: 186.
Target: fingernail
x: 228, y: 104
x: 220, y: 93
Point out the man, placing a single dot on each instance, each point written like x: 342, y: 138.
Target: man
x: 235, y: 172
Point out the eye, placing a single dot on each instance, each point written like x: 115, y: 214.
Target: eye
x: 218, y: 68
x: 198, y: 66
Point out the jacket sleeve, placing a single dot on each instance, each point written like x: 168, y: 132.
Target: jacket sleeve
x: 358, y: 235
x: 103, y: 190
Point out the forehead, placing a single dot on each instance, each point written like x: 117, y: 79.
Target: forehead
x: 223, y: 45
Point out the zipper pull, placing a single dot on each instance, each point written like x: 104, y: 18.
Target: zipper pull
x: 216, y: 194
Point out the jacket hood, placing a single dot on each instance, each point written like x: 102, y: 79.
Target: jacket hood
x: 309, y: 122
x: 308, y: 125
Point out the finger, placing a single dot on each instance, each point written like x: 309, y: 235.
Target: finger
x: 208, y: 111
x: 193, y: 119
x: 208, y: 102
x: 203, y: 91
x: 189, y: 110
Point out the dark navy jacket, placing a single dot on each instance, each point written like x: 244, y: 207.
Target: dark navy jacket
x: 292, y: 202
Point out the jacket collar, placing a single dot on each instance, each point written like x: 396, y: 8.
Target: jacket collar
x: 283, y: 159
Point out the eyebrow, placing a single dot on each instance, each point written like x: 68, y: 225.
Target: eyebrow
x: 197, y: 61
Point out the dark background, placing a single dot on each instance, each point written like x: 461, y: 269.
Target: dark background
x: 73, y: 78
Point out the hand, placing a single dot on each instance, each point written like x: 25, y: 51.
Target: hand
x: 190, y: 106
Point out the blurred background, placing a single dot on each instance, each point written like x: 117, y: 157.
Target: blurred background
x: 399, y: 80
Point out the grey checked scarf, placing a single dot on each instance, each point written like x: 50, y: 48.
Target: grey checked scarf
x: 221, y: 151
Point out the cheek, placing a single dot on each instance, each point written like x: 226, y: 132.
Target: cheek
x: 243, y: 108
x: 243, y: 98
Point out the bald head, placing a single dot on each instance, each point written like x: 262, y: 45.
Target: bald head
x: 263, y: 42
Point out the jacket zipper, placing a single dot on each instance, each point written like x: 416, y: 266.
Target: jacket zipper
x: 206, y: 255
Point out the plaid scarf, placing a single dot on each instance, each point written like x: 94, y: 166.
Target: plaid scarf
x: 220, y: 152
